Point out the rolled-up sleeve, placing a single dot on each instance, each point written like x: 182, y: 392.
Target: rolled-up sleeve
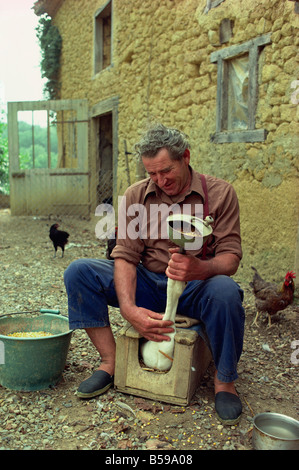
x: 226, y: 234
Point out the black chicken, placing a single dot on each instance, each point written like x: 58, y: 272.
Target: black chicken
x: 110, y: 245
x: 59, y: 238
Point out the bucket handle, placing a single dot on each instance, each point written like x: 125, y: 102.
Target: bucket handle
x: 49, y: 310
x: 42, y: 310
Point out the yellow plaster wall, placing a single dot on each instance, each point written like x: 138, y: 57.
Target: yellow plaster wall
x: 161, y: 71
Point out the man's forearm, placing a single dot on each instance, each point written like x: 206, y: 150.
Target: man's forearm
x: 189, y: 268
x: 226, y: 264
x: 125, y: 283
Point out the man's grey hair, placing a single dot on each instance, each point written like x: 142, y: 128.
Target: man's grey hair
x: 158, y: 137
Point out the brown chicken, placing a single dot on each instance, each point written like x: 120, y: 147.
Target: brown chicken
x: 269, y: 298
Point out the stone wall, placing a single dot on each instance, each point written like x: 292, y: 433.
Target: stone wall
x: 161, y: 71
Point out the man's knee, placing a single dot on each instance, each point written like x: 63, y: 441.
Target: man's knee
x: 89, y: 272
x: 74, y: 271
x: 226, y: 289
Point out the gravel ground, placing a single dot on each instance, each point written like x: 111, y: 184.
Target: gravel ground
x: 55, y: 419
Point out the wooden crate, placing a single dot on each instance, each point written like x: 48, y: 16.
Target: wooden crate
x: 177, y: 386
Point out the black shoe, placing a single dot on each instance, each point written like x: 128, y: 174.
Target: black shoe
x: 97, y: 384
x: 228, y: 407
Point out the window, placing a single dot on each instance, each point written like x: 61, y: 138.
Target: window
x: 103, y: 38
x: 237, y: 92
x: 37, y: 138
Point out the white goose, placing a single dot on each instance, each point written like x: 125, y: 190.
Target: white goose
x: 155, y: 354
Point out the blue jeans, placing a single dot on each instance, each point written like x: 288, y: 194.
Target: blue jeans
x: 215, y: 302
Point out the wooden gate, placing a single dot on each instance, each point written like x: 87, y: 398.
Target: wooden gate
x: 59, y: 188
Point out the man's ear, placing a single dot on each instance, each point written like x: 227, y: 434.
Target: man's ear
x: 186, y: 156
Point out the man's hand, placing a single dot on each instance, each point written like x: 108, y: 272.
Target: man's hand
x: 149, y: 324
x: 183, y: 267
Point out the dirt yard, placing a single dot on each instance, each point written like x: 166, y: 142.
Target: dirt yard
x: 56, y: 419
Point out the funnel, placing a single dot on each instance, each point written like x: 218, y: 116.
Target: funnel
x: 185, y: 230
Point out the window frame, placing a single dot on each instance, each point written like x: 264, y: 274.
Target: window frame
x: 100, y: 14
x: 253, y: 48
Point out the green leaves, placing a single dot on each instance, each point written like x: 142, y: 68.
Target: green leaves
x: 50, y: 43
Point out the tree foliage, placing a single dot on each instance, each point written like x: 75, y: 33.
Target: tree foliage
x: 26, y: 150
x: 40, y: 150
x: 50, y: 43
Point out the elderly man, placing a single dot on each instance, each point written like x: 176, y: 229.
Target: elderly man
x: 136, y: 280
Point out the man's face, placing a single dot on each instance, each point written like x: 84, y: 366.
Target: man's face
x: 172, y: 176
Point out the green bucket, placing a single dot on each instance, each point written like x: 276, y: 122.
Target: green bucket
x: 29, y: 364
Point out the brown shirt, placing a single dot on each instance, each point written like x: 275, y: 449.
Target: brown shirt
x: 138, y: 226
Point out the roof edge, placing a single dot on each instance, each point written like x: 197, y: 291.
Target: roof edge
x: 40, y: 7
